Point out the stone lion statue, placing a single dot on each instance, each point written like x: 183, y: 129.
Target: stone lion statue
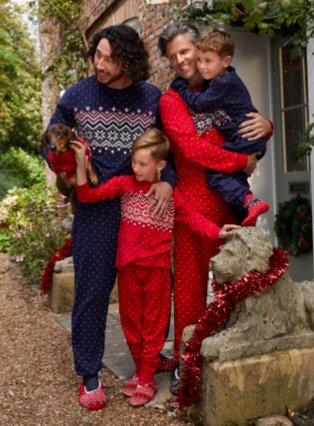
x: 280, y: 318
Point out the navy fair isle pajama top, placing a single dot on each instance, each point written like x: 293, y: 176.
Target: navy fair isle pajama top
x: 108, y: 120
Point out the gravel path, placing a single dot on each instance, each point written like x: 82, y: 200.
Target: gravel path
x: 38, y: 385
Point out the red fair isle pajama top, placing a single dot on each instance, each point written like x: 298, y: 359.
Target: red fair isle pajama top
x: 143, y: 262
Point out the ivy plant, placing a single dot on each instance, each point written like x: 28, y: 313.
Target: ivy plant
x: 304, y: 147
x: 69, y: 61
x: 292, y: 19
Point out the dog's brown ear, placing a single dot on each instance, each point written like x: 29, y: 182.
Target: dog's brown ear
x: 71, y: 135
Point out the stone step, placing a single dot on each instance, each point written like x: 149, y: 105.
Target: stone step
x: 61, y: 298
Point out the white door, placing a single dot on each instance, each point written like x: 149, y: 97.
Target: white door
x: 252, y: 62
x: 291, y: 118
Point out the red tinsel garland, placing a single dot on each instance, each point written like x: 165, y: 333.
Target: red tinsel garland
x: 226, y: 297
x: 46, y: 277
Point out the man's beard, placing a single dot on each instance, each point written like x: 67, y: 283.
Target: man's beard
x: 113, y: 78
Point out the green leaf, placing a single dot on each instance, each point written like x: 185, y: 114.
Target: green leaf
x: 284, y: 18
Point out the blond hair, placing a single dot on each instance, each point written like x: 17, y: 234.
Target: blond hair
x: 216, y: 41
x: 155, y: 141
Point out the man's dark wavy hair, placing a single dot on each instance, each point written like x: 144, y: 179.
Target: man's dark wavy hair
x: 127, y: 48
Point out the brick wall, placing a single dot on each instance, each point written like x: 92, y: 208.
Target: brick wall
x: 147, y: 16
x: 50, y: 36
x: 151, y: 19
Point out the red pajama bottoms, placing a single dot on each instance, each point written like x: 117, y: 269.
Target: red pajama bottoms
x: 144, y: 304
x: 191, y: 259
x: 192, y: 254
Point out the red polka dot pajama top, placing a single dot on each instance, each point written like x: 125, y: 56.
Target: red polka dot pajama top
x: 196, y: 147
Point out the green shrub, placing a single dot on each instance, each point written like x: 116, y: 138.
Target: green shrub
x: 30, y: 227
x: 20, y: 169
x: 5, y: 240
x: 7, y: 182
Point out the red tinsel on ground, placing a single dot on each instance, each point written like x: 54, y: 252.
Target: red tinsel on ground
x: 46, y: 277
x: 226, y: 297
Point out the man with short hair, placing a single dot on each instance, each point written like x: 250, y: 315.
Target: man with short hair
x: 196, y: 147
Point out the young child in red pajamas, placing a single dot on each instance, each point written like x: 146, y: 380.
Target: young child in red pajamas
x: 143, y: 255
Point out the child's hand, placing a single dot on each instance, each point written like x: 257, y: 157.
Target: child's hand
x: 226, y: 231
x: 80, y: 152
x: 80, y: 158
x: 251, y: 164
x: 179, y: 84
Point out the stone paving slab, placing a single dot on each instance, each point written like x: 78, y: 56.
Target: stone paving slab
x: 117, y: 356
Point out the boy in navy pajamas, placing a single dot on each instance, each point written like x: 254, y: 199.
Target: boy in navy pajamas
x: 225, y: 92
x: 108, y: 110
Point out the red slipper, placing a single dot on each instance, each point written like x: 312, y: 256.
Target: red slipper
x: 143, y: 394
x: 93, y: 400
x: 130, y: 386
x: 255, y: 208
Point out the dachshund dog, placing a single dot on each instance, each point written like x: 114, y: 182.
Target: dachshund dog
x: 56, y: 145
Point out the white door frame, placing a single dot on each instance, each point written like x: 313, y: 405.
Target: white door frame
x: 310, y: 73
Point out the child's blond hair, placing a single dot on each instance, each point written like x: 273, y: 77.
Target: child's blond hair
x: 217, y: 41
x: 155, y: 141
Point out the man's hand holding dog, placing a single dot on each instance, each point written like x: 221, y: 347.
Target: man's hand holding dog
x: 80, y: 158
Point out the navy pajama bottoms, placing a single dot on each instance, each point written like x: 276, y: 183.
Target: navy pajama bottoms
x: 233, y: 187
x: 95, y: 233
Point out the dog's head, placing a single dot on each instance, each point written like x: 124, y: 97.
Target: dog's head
x: 57, y: 138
